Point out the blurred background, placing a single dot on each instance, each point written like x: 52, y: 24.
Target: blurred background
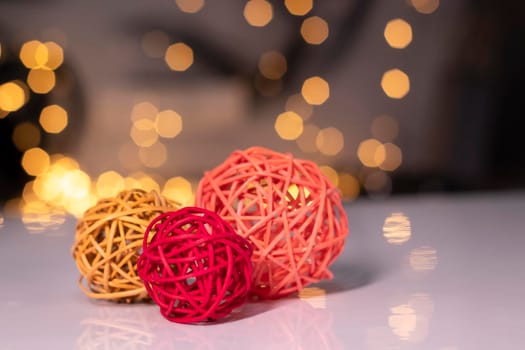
x: 388, y: 97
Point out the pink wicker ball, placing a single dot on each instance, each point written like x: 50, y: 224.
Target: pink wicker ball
x: 194, y: 265
x: 289, y: 211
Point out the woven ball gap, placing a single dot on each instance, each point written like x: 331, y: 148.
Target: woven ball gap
x: 108, y: 242
x: 287, y: 208
x: 194, y: 265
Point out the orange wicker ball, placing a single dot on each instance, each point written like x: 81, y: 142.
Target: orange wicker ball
x: 289, y: 211
x: 108, y: 242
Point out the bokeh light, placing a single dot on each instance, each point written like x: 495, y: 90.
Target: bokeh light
x: 179, y: 57
x: 180, y: 190
x: 144, y: 110
x: 258, y: 13
x: 425, y: 6
x: 12, y: 96
x: 298, y: 7
x: 155, y: 43
x: 35, y: 161
x: 53, y: 119
x: 168, y: 124
x: 385, y: 128
x: 289, y: 125
x: 371, y: 153
x: 393, y: 157
x: 397, y: 228
x: 272, y: 65
x: 153, y: 156
x: 331, y: 174
x: 398, y: 33
x: 296, y: 103
x: 34, y: 54
x: 330, y: 141
x: 109, y: 184
x: 143, y: 132
x: 307, y: 140
x: 55, y: 55
x: 41, y: 81
x: 395, y: 83
x: 314, y: 30
x: 349, y: 186
x: 315, y: 90
x: 25, y: 136
x: 190, y: 6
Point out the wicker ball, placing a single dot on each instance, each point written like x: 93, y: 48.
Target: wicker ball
x: 108, y: 241
x: 194, y: 265
x: 289, y: 211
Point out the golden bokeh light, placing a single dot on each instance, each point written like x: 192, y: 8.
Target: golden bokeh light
x: 155, y: 43
x: 397, y: 229
x: 314, y: 30
x: 298, y: 7
x: 425, y: 6
x: 146, y: 182
x: 55, y: 55
x: 423, y: 259
x: 35, y: 161
x: 395, y: 83
x: 153, y: 156
x: 180, y: 190
x: 53, y: 119
x: 315, y: 90
x: 330, y: 141
x: 296, y: 103
x: 144, y: 110
x: 272, y: 65
x: 385, y: 128
x: 109, y: 184
x: 168, y: 124
x: 393, y: 157
x: 306, y: 141
x: 12, y: 96
x: 258, y: 13
x: 349, y: 186
x: 398, y: 33
x: 331, y: 174
x: 34, y: 54
x: 25, y: 136
x: 142, y: 135
x: 289, y: 125
x: 314, y: 296
x: 371, y: 153
x: 179, y: 57
x: 190, y: 6
x: 41, y: 81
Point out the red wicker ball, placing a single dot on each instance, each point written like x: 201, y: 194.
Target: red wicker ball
x: 287, y: 208
x: 194, y: 265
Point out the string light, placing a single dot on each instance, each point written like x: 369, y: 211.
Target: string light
x: 395, y: 83
x: 425, y: 6
x: 168, y: 124
x: 398, y: 33
x: 53, y: 119
x: 12, y: 96
x: 289, y: 125
x: 35, y: 161
x: 41, y: 81
x: 298, y: 7
x: 314, y: 30
x: 258, y: 13
x: 190, y: 6
x: 179, y: 57
x: 315, y: 90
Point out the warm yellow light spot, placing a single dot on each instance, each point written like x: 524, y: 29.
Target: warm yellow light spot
x: 131, y: 183
x: 76, y: 183
x: 26, y: 135
x: 28, y: 194
x: 109, y: 184
x: 154, y: 43
x: 306, y: 141
x: 425, y: 6
x: 385, y: 128
x: 298, y: 7
x: 144, y: 110
x: 180, y: 190
x: 423, y: 259
x: 272, y: 65
x: 330, y: 141
x: 55, y: 55
x: 349, y: 186
x: 35, y: 161
x: 289, y: 125
x: 41, y: 81
x: 34, y: 54
x: 371, y: 153
x: 314, y: 30
x: 331, y: 174
x: 315, y: 90
x: 402, y: 321
x: 147, y: 183
x: 53, y: 119
x: 258, y: 13
x: 395, y: 84
x: 144, y: 124
x: 179, y: 57
x: 190, y: 6
x: 314, y: 296
x: 393, y: 157
x: 297, y: 104
x: 398, y: 33
x: 153, y: 156
x: 168, y: 124
x: 12, y: 96
x: 397, y: 229
x: 142, y: 136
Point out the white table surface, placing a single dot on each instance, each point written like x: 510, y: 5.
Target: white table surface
x: 457, y: 283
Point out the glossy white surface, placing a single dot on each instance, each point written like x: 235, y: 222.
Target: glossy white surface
x: 456, y: 283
